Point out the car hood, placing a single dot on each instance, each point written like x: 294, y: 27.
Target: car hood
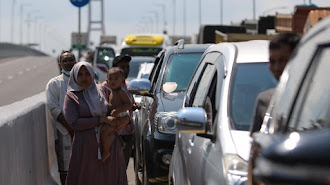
x: 172, y: 101
x: 242, y: 141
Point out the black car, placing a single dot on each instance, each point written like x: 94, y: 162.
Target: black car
x: 294, y: 143
x: 163, y: 95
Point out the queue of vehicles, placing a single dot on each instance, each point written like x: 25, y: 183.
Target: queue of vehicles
x: 207, y: 141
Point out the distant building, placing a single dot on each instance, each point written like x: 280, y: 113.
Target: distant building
x: 207, y: 32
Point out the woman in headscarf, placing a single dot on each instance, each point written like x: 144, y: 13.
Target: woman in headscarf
x: 85, y: 109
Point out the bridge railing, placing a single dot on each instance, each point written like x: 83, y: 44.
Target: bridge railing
x: 27, y: 154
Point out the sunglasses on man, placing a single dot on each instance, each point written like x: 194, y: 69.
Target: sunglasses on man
x: 68, y: 60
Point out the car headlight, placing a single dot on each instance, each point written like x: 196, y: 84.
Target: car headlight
x: 235, y: 165
x: 165, y: 122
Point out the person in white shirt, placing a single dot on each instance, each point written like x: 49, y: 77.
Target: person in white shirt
x: 55, y: 93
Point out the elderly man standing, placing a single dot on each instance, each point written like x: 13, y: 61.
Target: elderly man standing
x: 55, y: 93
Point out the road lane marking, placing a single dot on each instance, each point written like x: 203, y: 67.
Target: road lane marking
x: 34, y: 67
x: 27, y: 69
x: 20, y: 72
x: 10, y: 77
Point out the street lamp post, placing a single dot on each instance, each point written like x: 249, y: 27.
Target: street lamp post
x: 157, y: 20
x: 184, y: 18
x: 254, y: 9
x: 12, y: 30
x: 174, y: 17
x: 221, y: 12
x: 164, y: 14
x: 29, y: 20
x: 151, y: 23
x: 200, y: 12
x: 21, y: 22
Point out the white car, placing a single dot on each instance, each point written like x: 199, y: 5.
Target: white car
x: 213, y: 142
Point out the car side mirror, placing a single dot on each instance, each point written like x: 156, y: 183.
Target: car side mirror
x: 191, y: 120
x: 140, y: 87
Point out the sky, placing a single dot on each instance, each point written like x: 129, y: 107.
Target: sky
x: 53, y: 21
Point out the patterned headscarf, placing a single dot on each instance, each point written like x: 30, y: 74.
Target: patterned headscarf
x: 92, y: 94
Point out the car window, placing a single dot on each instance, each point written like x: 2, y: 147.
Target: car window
x: 155, y: 72
x: 248, y: 81
x: 203, y: 85
x: 208, y: 58
x: 312, y: 110
x: 205, y: 95
x: 179, y: 71
x: 104, y: 55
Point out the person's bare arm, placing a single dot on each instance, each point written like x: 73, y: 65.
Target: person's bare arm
x: 116, y: 122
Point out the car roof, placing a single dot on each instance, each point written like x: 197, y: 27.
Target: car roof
x: 244, y: 52
x: 142, y: 58
x: 188, y: 48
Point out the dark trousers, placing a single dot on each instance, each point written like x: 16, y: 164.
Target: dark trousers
x: 127, y: 141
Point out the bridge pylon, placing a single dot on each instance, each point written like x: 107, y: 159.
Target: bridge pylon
x: 95, y: 22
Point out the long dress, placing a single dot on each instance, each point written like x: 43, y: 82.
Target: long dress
x: 84, y: 167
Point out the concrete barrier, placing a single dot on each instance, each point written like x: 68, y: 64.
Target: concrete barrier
x: 27, y: 154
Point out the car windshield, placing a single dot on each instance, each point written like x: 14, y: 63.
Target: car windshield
x: 248, y: 81
x: 140, y: 51
x: 134, y: 67
x: 104, y: 55
x: 179, y: 71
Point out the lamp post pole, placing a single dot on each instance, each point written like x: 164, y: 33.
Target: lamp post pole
x: 254, y: 9
x: 164, y: 14
x: 174, y: 17
x: 157, y: 20
x: 21, y: 23
x: 12, y: 30
x: 184, y: 18
x: 221, y: 12
x: 0, y: 19
x: 200, y: 13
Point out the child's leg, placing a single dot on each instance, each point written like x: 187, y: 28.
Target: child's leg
x: 105, y: 131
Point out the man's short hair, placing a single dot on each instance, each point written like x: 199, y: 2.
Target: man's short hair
x: 121, y: 58
x: 287, y: 38
x: 63, y: 52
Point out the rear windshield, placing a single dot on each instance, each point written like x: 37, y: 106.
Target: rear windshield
x: 248, y: 81
x: 104, y: 55
x: 140, y: 51
x: 179, y: 71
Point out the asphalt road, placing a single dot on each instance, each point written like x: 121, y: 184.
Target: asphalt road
x: 130, y: 172
x: 21, y: 78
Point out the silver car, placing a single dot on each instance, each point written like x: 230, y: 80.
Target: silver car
x: 213, y: 142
